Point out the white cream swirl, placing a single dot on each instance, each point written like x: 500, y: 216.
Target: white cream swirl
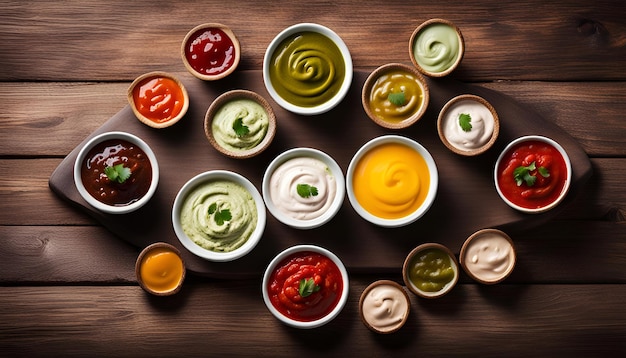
x: 482, y: 124
x: 489, y: 257
x: 385, y: 307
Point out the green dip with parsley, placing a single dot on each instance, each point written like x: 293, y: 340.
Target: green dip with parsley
x: 219, y: 215
x: 307, y: 69
x: 240, y: 125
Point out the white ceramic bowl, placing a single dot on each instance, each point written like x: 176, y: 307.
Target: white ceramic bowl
x: 211, y: 176
x: 305, y: 324
x: 111, y: 209
x: 347, y: 59
x: 563, y: 192
x: 332, y: 207
x: 432, y: 189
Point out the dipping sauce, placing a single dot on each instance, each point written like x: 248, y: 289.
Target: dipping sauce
x: 391, y: 181
x: 159, y: 99
x: 306, y: 286
x: 240, y: 125
x: 307, y: 69
x: 303, y: 188
x: 161, y: 270
x: 431, y: 270
x: 219, y: 215
x: 488, y: 256
x: 384, y: 306
x: 437, y: 47
x: 396, y: 96
x: 532, y: 174
x: 467, y: 124
x: 210, y: 51
x: 111, y: 153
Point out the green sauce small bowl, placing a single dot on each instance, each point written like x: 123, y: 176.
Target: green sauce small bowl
x: 445, y: 281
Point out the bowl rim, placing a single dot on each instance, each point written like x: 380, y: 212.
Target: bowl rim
x: 432, y: 190
x: 304, y: 248
x: 144, y: 252
x: 110, y: 209
x: 447, y: 288
x: 461, y: 47
x: 229, y: 32
x: 147, y: 121
x: 234, y: 95
x: 568, y: 166
x: 475, y: 151
x: 397, y: 286
x: 189, y: 244
x: 466, y: 246
x: 311, y: 153
x: 373, y: 77
x: 347, y: 58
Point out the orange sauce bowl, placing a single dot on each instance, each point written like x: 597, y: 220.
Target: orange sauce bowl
x: 160, y: 269
x: 158, y: 99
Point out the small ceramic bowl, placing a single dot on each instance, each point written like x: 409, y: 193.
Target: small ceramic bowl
x: 434, y: 258
x: 488, y: 256
x: 212, y: 201
x: 415, y: 185
x: 538, y: 180
x: 138, y: 188
x: 436, y: 47
x: 384, y: 306
x: 223, y: 121
x: 158, y: 99
x: 295, y: 170
x: 331, y: 309
x: 160, y: 269
x: 468, y: 125
x: 211, y: 51
x: 380, y: 96
x: 289, y: 80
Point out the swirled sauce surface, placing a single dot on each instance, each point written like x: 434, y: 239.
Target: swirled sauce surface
x: 396, y: 82
x: 240, y: 124
x: 307, y: 69
x: 437, y: 47
x: 391, y: 181
x: 219, y: 215
x: 304, y: 203
x: 490, y: 257
x: 468, y: 124
x: 158, y: 98
x: 385, y: 307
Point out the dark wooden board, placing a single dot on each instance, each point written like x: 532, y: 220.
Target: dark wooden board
x: 466, y: 200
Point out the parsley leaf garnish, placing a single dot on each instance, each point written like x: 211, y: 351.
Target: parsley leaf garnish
x: 240, y: 128
x: 118, y: 173
x: 523, y: 174
x: 307, y: 287
x: 398, y: 99
x: 220, y: 216
x: 306, y: 190
x: 464, y: 122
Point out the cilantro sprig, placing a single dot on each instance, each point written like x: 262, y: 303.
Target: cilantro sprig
x: 117, y: 173
x: 240, y: 128
x: 220, y: 216
x: 398, y: 99
x: 524, y: 174
x: 307, y: 287
x: 465, y: 122
x: 306, y: 190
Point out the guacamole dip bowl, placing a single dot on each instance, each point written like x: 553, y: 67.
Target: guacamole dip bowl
x: 307, y: 69
x: 219, y: 215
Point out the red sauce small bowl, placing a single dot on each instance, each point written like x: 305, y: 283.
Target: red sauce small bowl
x: 158, y: 99
x: 211, y: 51
x: 533, y: 174
x: 305, y: 286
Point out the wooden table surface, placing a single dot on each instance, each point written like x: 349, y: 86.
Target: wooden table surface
x: 67, y: 284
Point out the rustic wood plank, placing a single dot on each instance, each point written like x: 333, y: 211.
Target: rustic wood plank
x: 589, y: 111
x: 210, y: 318
x: 118, y: 40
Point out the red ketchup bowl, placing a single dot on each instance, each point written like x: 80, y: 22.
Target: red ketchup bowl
x: 211, y: 51
x: 305, y: 286
x: 533, y: 174
x: 158, y: 99
x: 116, y: 172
